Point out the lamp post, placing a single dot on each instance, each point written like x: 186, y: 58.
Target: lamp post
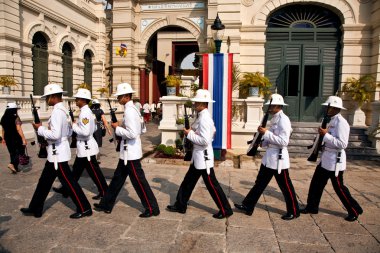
x: 217, y: 30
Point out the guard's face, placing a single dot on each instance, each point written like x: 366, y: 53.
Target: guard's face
x: 199, y: 106
x: 333, y: 111
x: 80, y: 102
x: 273, y: 109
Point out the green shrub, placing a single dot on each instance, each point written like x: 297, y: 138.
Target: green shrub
x: 180, y: 121
x: 161, y: 147
x: 169, y: 150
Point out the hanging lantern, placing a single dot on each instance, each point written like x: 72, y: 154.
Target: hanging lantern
x: 122, y: 50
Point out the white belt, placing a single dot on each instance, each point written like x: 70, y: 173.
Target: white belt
x: 58, y: 141
x: 276, y: 146
x: 330, y: 149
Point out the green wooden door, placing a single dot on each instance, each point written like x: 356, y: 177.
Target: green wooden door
x: 304, y: 75
x: 302, y: 57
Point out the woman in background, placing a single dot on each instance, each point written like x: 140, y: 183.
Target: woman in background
x: 101, y: 123
x: 12, y: 135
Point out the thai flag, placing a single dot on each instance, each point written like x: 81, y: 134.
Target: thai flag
x: 217, y: 78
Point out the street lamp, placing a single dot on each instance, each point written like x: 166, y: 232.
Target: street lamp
x: 217, y: 30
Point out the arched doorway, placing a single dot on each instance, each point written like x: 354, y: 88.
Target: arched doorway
x: 88, y: 68
x: 302, y: 57
x: 40, y: 63
x: 67, y: 68
x: 165, y: 57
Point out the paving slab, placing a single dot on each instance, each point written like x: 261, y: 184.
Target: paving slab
x: 195, y: 231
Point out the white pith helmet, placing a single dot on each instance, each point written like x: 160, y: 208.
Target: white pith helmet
x: 83, y: 93
x: 277, y: 99
x: 95, y: 102
x: 123, y: 88
x: 12, y: 105
x: 202, y: 96
x: 334, y: 101
x: 52, y: 88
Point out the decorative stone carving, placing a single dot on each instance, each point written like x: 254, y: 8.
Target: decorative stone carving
x: 199, y: 21
x: 247, y: 3
x: 145, y: 23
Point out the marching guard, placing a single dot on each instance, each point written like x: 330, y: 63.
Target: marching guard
x: 130, y: 155
x: 87, y: 147
x: 333, y: 163
x: 275, y: 162
x: 56, y: 134
x: 202, y: 162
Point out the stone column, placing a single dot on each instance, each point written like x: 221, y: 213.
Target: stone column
x: 169, y: 128
x: 254, y: 113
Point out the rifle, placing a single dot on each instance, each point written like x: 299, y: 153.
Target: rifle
x: 74, y: 134
x: 114, y: 120
x: 255, y: 143
x: 41, y: 140
x: 318, y: 140
x: 187, y: 145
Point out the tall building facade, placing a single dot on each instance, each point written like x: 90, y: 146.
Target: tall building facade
x: 307, y: 48
x: 60, y: 41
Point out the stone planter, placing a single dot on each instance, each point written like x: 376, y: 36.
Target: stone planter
x: 6, y: 90
x: 253, y: 91
x: 171, y: 91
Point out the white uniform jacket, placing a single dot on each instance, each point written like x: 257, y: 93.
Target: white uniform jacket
x: 201, y: 135
x: 276, y: 138
x: 85, y: 128
x: 130, y: 132
x: 59, y: 129
x: 335, y: 140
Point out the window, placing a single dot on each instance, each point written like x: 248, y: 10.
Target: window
x: 40, y: 63
x: 88, y: 68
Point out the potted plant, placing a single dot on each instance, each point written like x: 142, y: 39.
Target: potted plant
x: 103, y: 91
x: 84, y: 86
x: 171, y: 83
x: 6, y: 82
x: 256, y: 84
x: 360, y: 91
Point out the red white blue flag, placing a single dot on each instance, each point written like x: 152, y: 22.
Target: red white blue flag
x: 217, y: 78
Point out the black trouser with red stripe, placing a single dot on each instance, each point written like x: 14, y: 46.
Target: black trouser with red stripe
x: 283, y: 181
x: 65, y: 176
x: 213, y: 187
x: 318, y: 183
x: 93, y: 170
x: 139, y: 182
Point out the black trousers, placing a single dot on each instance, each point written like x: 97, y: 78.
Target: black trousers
x: 318, y: 183
x: 213, y: 187
x: 65, y: 176
x: 93, y: 170
x: 14, y: 152
x: 283, y: 181
x: 139, y: 182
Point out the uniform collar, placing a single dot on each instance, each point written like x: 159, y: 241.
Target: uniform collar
x: 58, y: 105
x: 204, y: 111
x: 335, y: 116
x: 277, y: 114
x: 129, y: 103
x: 84, y: 107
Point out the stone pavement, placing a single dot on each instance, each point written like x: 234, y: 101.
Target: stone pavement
x: 196, y: 231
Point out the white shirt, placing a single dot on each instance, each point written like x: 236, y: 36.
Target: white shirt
x: 274, y: 139
x: 153, y: 107
x: 59, y: 129
x: 146, y: 108
x: 335, y: 140
x: 85, y: 128
x: 201, y: 135
x: 131, y: 133
x: 138, y: 106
